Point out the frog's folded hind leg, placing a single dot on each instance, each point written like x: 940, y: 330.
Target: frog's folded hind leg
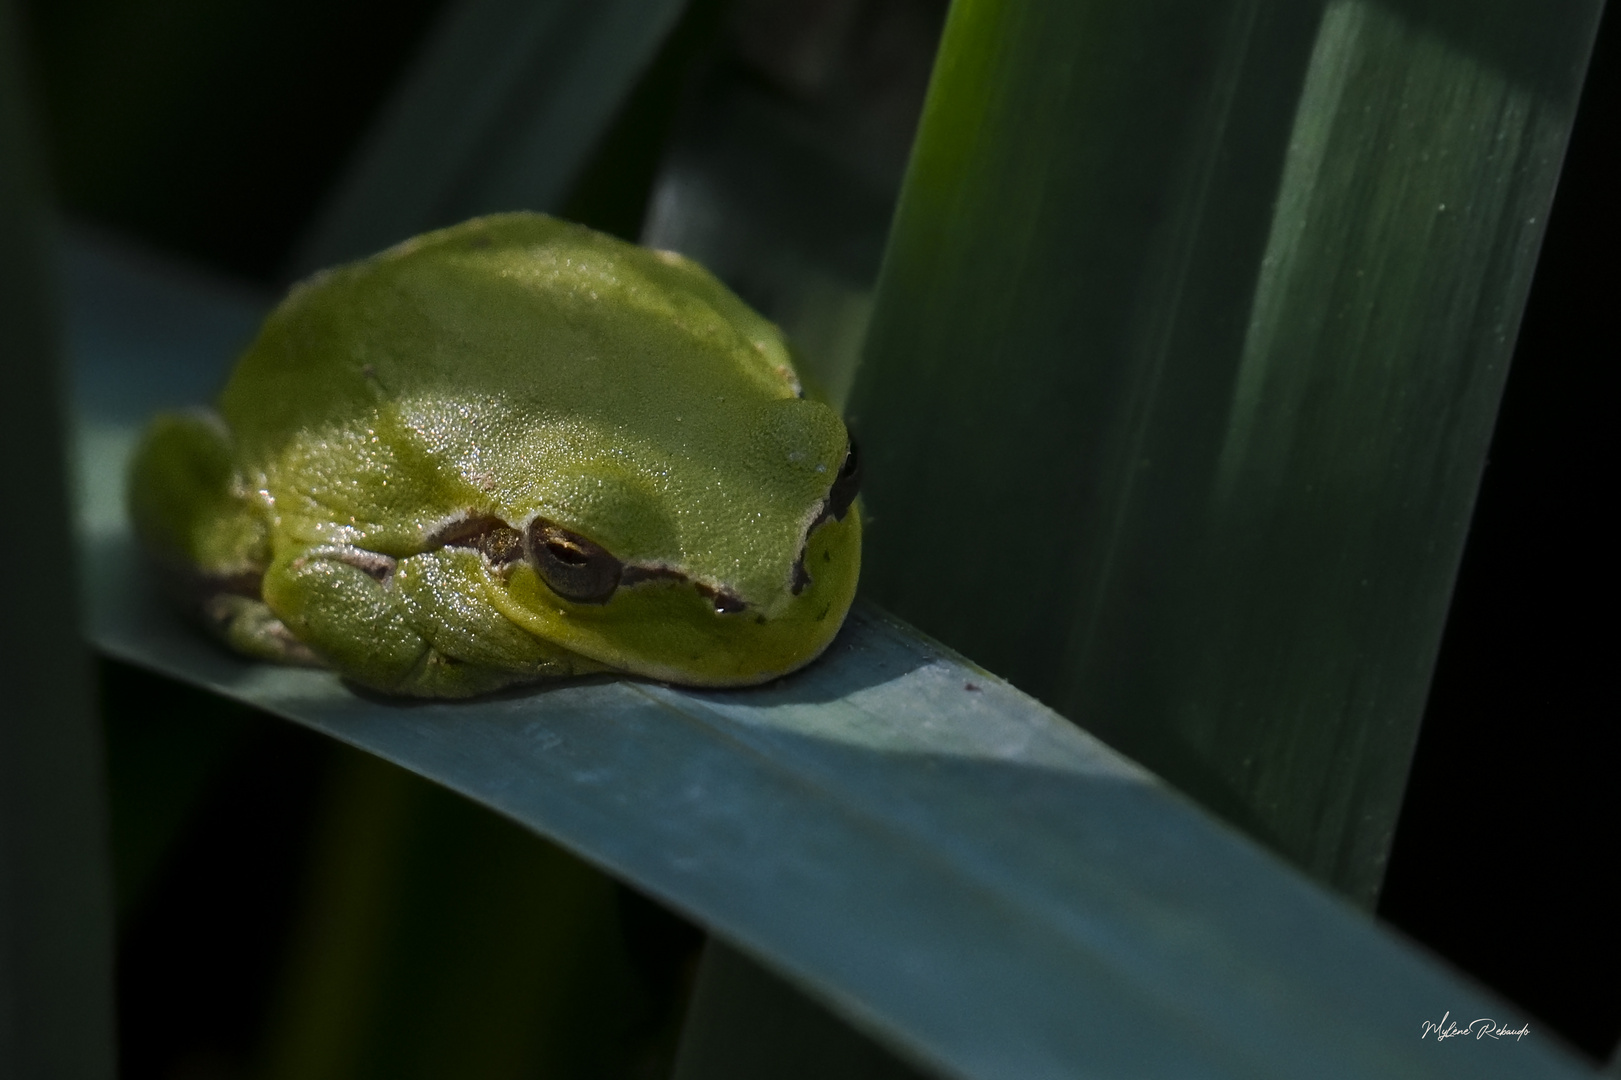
x: 381, y: 622
x: 336, y: 602
x: 187, y: 503
x: 476, y: 649
x: 206, y: 534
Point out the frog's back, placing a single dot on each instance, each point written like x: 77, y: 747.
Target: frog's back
x: 521, y: 312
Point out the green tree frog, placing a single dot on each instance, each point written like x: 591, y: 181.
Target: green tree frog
x: 511, y: 450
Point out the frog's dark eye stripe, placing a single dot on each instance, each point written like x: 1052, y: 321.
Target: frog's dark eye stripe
x: 725, y: 603
x: 573, y: 567
x: 497, y: 540
x: 845, y: 486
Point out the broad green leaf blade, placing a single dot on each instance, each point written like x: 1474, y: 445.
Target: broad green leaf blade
x: 744, y: 192
x: 500, y: 112
x: 435, y: 939
x: 938, y: 857
x: 56, y: 948
x: 1184, y: 363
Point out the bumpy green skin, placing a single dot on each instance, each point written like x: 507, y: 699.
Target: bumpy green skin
x: 511, y: 371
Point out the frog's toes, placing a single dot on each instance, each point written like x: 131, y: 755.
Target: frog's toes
x: 250, y: 627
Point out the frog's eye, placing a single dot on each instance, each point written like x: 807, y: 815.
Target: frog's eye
x: 575, y: 568
x: 845, y: 486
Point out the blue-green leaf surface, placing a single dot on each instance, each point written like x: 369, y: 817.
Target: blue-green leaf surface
x: 938, y: 857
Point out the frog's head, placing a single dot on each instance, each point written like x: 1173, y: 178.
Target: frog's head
x: 725, y: 564
x: 684, y: 512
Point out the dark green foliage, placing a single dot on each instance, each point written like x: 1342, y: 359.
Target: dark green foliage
x: 55, y: 917
x: 1244, y: 277
x: 436, y: 939
x: 213, y: 129
x: 747, y: 1023
x: 166, y: 746
x: 611, y: 191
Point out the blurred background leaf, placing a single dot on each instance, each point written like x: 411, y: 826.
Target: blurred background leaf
x: 436, y: 939
x: 56, y: 938
x: 1255, y: 361
x: 213, y: 130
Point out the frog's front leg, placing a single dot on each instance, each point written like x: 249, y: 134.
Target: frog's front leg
x: 418, y: 625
